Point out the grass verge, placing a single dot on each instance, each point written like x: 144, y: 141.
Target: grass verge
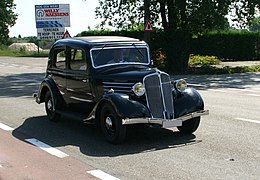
x: 5, y: 51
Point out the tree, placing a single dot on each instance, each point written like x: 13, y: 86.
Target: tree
x: 7, y: 19
x: 120, y: 15
x: 195, y: 15
x: 244, y: 12
x: 255, y: 24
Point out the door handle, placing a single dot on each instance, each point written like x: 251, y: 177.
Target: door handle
x: 84, y: 80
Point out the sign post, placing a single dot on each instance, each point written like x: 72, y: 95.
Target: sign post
x: 51, y: 20
x: 147, y: 34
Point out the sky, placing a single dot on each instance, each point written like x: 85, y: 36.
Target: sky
x: 82, y: 16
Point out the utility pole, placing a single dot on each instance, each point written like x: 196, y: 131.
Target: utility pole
x: 147, y: 34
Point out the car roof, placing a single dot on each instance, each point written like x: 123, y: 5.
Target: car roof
x: 101, y: 41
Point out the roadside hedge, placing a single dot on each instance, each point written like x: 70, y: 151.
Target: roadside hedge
x: 230, y: 45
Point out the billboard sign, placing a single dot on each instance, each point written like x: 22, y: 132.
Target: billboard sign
x: 51, y: 17
x: 50, y: 33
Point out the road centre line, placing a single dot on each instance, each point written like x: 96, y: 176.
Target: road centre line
x: 197, y: 85
x: 24, y: 80
x: 229, y: 90
x: 217, y: 90
x: 256, y: 95
x: 101, y: 175
x: 243, y: 90
x: 248, y: 120
x: 47, y: 148
x: 5, y: 127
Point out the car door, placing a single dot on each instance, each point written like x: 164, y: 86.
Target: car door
x: 78, y: 81
x: 59, y: 70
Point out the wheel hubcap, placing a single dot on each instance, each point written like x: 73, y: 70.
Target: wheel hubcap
x: 49, y: 105
x: 109, y: 123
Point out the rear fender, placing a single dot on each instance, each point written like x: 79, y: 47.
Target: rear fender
x: 49, y: 85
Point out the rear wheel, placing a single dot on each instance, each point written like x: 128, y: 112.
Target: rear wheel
x: 51, y: 108
x: 111, y: 125
x: 189, y: 126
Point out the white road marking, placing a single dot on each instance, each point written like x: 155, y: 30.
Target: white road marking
x: 256, y: 95
x: 102, y: 175
x: 24, y: 80
x: 5, y: 127
x: 242, y: 90
x: 217, y: 90
x: 248, y: 120
x: 197, y: 85
x: 47, y: 148
x: 229, y: 90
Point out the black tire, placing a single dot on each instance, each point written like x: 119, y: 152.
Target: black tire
x: 111, y: 125
x: 50, y: 108
x: 189, y: 126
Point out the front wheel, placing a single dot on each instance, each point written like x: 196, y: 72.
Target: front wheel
x: 189, y: 126
x: 111, y: 125
x: 50, y: 108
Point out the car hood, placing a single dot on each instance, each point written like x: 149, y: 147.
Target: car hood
x: 124, y: 73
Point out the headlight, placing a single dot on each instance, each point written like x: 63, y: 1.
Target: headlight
x: 180, y: 85
x: 138, y: 89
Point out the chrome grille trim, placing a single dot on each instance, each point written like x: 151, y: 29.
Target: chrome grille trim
x: 167, y: 94
x: 119, y: 87
x: 159, y: 95
x: 117, y: 83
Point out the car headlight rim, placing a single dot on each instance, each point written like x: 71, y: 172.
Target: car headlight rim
x: 138, y: 89
x: 180, y: 85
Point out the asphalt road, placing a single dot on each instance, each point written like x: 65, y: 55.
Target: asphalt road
x: 226, y: 145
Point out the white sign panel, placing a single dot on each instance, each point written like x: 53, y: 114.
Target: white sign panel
x: 52, y: 15
x: 50, y: 33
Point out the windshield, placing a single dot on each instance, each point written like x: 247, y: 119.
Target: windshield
x: 119, y: 55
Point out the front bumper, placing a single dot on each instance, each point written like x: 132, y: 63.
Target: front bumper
x: 166, y: 123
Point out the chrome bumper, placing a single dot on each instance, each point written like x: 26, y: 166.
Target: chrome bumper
x: 166, y: 122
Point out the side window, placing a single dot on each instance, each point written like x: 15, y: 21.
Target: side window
x: 78, y: 60
x: 60, y: 58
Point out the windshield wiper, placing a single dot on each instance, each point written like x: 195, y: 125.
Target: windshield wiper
x: 138, y: 50
x: 99, y: 52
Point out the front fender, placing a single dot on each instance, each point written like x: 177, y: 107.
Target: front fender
x: 187, y: 102
x: 126, y: 108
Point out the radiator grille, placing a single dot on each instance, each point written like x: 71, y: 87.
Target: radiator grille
x: 159, y: 95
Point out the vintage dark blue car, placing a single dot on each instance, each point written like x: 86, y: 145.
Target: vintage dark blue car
x: 110, y: 81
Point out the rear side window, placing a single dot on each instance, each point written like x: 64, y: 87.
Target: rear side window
x: 60, y: 58
x: 78, y: 60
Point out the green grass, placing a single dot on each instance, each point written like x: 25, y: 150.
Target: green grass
x: 5, y: 51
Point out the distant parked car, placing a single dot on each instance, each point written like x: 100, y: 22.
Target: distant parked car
x: 109, y: 80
